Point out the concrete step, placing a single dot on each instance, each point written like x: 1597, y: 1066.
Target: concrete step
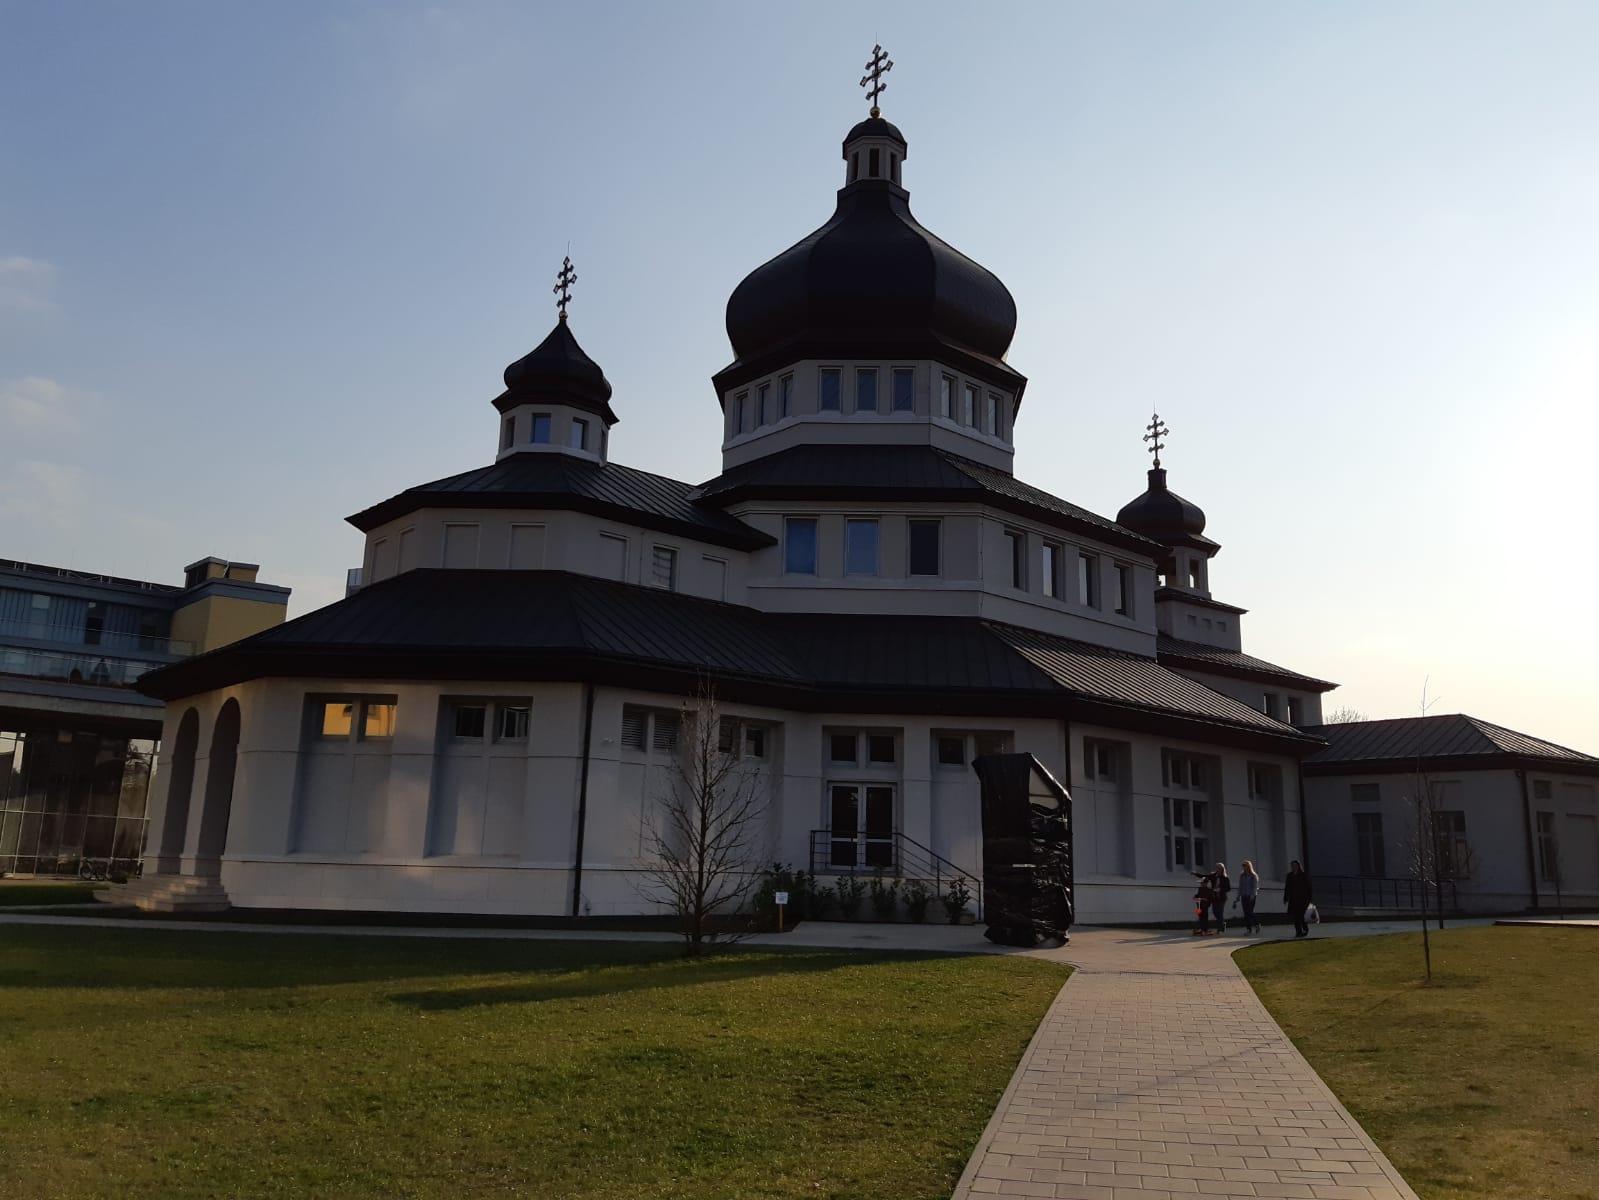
x: 170, y: 893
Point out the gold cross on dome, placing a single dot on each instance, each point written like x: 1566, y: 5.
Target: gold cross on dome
x: 876, y: 67
x: 563, y: 286
x: 1157, y: 430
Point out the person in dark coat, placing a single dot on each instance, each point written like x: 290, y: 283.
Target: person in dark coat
x: 1296, y: 897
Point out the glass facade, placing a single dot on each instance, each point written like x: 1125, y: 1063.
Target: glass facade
x: 72, y: 801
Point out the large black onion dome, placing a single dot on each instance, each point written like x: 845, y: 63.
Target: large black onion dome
x: 556, y: 371
x: 1165, y: 516
x: 870, y: 283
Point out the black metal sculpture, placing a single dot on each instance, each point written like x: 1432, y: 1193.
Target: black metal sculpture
x: 1027, y: 851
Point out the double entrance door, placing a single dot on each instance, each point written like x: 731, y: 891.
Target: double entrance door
x: 861, y: 825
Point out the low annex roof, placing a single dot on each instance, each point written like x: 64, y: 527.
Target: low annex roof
x: 907, y: 472
x: 528, y: 625
x: 1452, y: 742
x: 564, y: 481
x: 1197, y: 656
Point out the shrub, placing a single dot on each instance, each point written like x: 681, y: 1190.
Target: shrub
x: 849, y: 893
x: 885, y: 898
x: 804, y: 898
x: 917, y: 895
x: 956, y: 899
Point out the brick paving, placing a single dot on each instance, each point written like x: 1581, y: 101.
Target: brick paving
x: 1157, y: 1075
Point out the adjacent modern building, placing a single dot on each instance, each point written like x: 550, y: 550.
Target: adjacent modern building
x: 1511, y: 822
x: 77, y: 741
x: 488, y: 724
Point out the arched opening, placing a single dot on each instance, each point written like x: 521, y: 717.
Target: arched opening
x: 175, y: 822
x: 218, y: 791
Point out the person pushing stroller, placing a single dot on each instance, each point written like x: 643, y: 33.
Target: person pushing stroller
x: 1210, y: 898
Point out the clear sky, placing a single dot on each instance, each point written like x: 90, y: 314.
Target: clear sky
x: 262, y: 265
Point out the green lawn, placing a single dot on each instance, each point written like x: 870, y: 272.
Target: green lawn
x: 161, y: 1063
x: 13, y: 894
x: 1483, y: 1086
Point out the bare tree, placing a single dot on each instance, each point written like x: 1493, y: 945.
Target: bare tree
x: 1345, y: 716
x: 1433, y: 854
x: 704, y: 837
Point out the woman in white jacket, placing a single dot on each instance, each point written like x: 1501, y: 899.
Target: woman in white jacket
x: 1248, y: 893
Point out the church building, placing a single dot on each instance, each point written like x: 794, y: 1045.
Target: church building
x: 486, y: 724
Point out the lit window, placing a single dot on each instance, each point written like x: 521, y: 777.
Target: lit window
x: 866, y: 389
x: 663, y: 568
x: 860, y: 547
x: 470, y: 721
x: 580, y: 433
x: 832, y: 385
x: 904, y: 378
x: 946, y: 397
x: 924, y: 547
x: 541, y: 428
x: 763, y: 404
x: 377, y: 720
x: 799, y: 546
x: 785, y: 396
x: 337, y: 716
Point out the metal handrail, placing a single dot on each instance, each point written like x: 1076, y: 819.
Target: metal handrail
x: 1401, y: 893
x: 932, y: 868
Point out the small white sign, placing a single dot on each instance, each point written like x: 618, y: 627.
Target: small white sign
x: 782, y: 897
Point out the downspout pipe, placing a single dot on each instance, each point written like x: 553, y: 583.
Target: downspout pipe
x: 1526, y: 829
x: 583, y: 799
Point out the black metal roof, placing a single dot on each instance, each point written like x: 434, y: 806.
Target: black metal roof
x: 1451, y: 742
x: 1199, y: 657
x: 1168, y: 518
x: 554, y: 480
x: 557, y: 371
x: 906, y: 472
x: 530, y: 625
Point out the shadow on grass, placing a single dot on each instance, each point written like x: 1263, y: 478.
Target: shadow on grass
x: 60, y: 956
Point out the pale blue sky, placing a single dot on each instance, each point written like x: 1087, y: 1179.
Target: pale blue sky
x: 261, y: 266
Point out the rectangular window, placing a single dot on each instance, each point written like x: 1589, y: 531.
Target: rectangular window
x: 866, y: 389
x: 1548, y: 847
x: 652, y: 728
x: 508, y: 438
x: 904, y: 396
x: 578, y: 439
x: 377, y: 719
x: 924, y: 547
x: 1186, y: 844
x: 785, y: 396
x: 470, y: 721
x: 1088, y: 580
x: 541, y: 429
x: 946, y: 397
x: 727, y: 735
x: 663, y: 568
x: 880, y: 748
x: 763, y: 404
x: 1195, y: 576
x: 511, y: 722
x: 754, y: 741
x: 1179, y: 770
x: 860, y: 547
x: 635, y: 728
x: 951, y: 751
x: 93, y: 628
x: 1369, y: 844
x: 1049, y: 568
x: 741, y: 412
x: 969, y: 405
x: 663, y: 737
x: 831, y: 382
x: 799, y: 545
x: 1296, y: 711
x: 613, y: 557
x: 337, y: 718
x: 1101, y: 760
x: 1124, y: 590
x: 1364, y: 793
x: 1543, y: 789
x: 842, y: 748
x: 991, y: 415
x: 1017, y: 542
x: 1270, y: 703
x: 1454, y: 855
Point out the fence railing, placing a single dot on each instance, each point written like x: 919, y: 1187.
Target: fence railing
x: 890, y: 855
x: 1397, y: 895
x: 106, y: 641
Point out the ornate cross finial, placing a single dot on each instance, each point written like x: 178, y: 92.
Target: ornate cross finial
x: 1157, y: 430
x: 876, y: 67
x: 563, y: 286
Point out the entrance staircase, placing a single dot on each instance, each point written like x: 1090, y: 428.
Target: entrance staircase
x: 170, y: 893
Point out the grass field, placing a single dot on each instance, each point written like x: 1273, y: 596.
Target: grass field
x: 1483, y: 1086
x: 160, y: 1063
x: 13, y: 894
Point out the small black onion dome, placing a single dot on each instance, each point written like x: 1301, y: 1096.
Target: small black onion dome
x: 556, y: 371
x: 875, y: 127
x: 1165, y: 516
x: 870, y: 280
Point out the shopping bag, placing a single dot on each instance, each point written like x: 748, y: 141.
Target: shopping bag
x: 1312, y: 917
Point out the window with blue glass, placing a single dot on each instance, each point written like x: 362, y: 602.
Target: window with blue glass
x: 903, y: 396
x: 831, y: 384
x: 860, y: 547
x: 799, y: 545
x: 866, y: 389
x: 541, y: 427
